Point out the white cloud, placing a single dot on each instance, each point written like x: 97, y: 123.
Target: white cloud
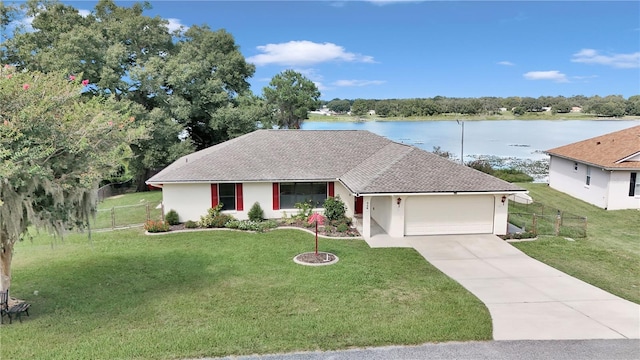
x: 84, y: 13
x: 349, y: 83
x: 175, y: 24
x: 585, y: 77
x: 553, y: 75
x: 506, y: 63
x: 301, y: 53
x: 620, y: 61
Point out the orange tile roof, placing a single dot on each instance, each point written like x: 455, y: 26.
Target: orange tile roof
x: 605, y: 151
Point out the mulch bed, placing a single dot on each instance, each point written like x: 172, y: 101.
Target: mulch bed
x: 327, y: 230
x: 312, y: 258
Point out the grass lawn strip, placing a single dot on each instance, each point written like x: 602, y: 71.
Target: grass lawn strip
x: 608, y: 258
x: 126, y: 295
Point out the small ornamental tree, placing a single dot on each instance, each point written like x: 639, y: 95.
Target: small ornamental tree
x: 318, y: 220
x: 55, y: 147
x: 256, y: 213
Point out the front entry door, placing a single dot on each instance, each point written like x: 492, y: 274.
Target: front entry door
x: 358, y: 205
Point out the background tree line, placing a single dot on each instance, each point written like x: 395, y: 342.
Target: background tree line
x: 609, y: 106
x: 190, y: 86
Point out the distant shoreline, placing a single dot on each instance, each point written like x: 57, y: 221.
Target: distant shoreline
x: 453, y: 117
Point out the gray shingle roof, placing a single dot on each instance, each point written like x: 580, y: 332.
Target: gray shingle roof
x: 363, y: 161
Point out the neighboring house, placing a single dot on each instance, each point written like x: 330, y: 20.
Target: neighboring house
x: 406, y: 190
x: 575, y: 109
x: 603, y: 171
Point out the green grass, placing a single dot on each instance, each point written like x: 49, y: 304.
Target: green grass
x: 127, y: 210
x: 215, y: 293
x: 609, y: 257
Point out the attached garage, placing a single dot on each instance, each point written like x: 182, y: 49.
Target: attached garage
x: 449, y: 214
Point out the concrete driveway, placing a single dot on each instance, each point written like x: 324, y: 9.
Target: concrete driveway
x: 527, y: 299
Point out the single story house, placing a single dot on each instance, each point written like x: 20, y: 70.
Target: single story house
x: 405, y: 190
x: 603, y: 171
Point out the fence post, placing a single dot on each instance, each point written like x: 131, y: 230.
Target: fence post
x: 585, y: 226
x: 558, y: 220
x: 535, y: 225
x: 148, y: 213
x: 113, y: 217
x: 162, y: 211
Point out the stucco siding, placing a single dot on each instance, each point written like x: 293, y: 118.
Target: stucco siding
x: 190, y: 201
x: 564, y: 178
x: 346, y: 197
x: 619, y: 191
x: 500, y: 215
x: 380, y: 211
x: 260, y: 192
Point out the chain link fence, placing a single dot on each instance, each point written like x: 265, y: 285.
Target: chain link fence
x: 114, y: 189
x: 541, y: 219
x: 120, y: 217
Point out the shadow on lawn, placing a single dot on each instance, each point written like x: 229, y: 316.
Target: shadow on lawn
x: 114, y: 285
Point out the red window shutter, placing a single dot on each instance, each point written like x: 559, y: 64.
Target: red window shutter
x: 332, y: 189
x: 214, y: 195
x: 276, y: 196
x: 239, y: 199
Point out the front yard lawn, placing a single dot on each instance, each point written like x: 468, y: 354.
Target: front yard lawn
x: 608, y: 258
x: 216, y: 293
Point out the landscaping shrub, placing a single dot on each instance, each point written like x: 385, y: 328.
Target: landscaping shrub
x: 208, y: 220
x: 256, y: 213
x: 305, y: 210
x: 249, y: 225
x: 334, y: 208
x: 481, y: 165
x: 521, y: 235
x: 342, y: 227
x: 512, y: 175
x: 172, y: 217
x: 154, y: 226
x: 190, y: 224
x: 220, y: 221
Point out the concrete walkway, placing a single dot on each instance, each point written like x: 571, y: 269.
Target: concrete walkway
x: 527, y: 299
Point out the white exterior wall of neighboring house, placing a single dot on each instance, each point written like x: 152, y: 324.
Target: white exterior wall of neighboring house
x: 190, y: 201
x: 563, y: 177
x: 619, y: 191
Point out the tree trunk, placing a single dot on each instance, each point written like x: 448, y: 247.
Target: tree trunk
x: 6, y: 255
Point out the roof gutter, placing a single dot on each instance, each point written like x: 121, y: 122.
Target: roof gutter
x: 449, y: 193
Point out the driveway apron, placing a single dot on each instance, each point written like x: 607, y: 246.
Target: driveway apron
x: 527, y: 299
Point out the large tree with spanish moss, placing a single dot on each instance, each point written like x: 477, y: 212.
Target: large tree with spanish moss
x: 56, y: 144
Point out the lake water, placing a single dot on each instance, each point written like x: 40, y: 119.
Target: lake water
x: 523, y: 139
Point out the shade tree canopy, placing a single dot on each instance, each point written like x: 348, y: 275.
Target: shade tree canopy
x: 55, y: 147
x: 181, y: 79
x: 291, y: 96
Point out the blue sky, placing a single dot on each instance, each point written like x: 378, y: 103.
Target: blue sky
x: 418, y: 49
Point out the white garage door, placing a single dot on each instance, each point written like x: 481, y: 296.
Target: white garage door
x: 458, y: 214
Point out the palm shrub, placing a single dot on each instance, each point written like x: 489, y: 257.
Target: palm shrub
x: 334, y: 208
x: 172, y: 217
x: 256, y: 213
